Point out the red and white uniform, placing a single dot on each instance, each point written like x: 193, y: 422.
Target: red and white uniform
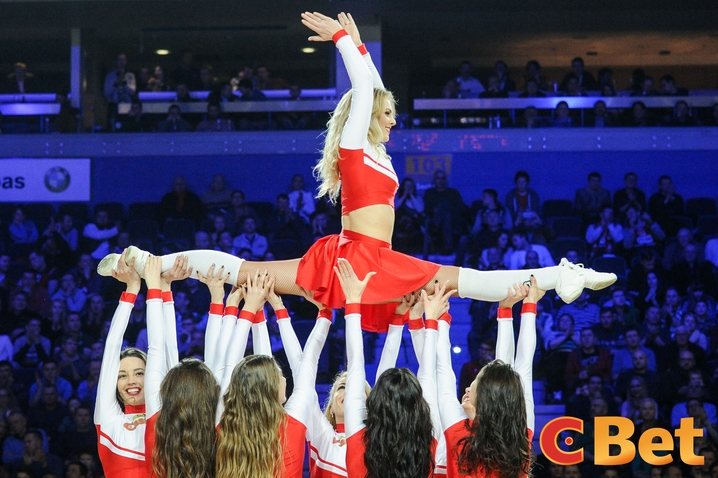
x: 355, y: 397
x: 454, y: 420
x: 121, y: 435
x: 368, y: 178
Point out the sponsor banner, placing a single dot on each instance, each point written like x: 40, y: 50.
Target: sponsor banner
x: 28, y: 180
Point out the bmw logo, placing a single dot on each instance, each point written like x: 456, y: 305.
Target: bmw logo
x: 57, y: 179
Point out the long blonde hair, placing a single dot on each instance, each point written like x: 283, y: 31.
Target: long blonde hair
x: 328, y: 410
x: 327, y: 169
x: 249, y: 443
x: 186, y: 439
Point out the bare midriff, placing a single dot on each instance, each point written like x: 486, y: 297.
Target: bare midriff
x: 375, y: 221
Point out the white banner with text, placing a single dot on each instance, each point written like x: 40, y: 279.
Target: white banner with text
x: 29, y: 180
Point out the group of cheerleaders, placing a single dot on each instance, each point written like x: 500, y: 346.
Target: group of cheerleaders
x: 227, y: 416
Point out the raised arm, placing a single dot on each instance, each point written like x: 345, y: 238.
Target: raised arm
x: 219, y: 331
x: 450, y: 411
x: 416, y: 327
x: 392, y: 342
x: 347, y: 22
x: 526, y: 348
x: 106, y: 405
x: 505, y: 345
x: 434, y: 307
x: 156, y: 360
x: 355, y: 395
x: 179, y: 271
x: 354, y: 135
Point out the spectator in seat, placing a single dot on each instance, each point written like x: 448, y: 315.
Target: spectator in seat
x: 251, y: 239
x: 711, y: 251
x: 584, y: 313
x: 49, y: 413
x: 285, y: 223
x: 96, y: 235
x: 65, y: 227
x: 671, y: 313
x: 681, y: 115
x: 120, y: 87
x: 446, y: 211
x: 695, y: 335
x: 17, y: 315
x: 73, y: 296
x: 87, y: 389
x: 267, y: 82
x: 587, y: 360
x: 174, y: 122
x: 665, y: 204
x: 641, y: 231
x: 626, y: 314
x: 135, y: 121
x: 605, y: 235
x: 249, y: 92
x: 532, y: 90
x: 180, y: 203
x: 77, y: 469
x: 22, y: 230
x: 586, y: 81
x: 623, y: 356
x: 675, y: 252
x: 640, y: 116
x: 629, y: 196
x: 222, y: 94
x: 521, y: 198
x: 639, y: 369
x: 73, y: 328
x: 301, y: 201
x: 158, y: 82
x: 186, y: 72
x: 237, y: 211
x: 468, y: 86
x: 71, y: 365
x: 183, y: 95
x: 296, y: 119
x: 562, y: 116
x: 20, y: 81
x: 207, y: 78
x: 493, y: 89
x: 645, y: 88
x: 601, y: 118
x: 218, y: 196
x: 533, y: 72
x: 143, y: 77
x: 693, y: 269
x: 501, y: 70
x: 31, y: 348
x: 38, y: 299
x: 668, y: 87
x: 49, y: 375
x: 84, y: 435
x: 517, y: 259
x: 531, y: 119
x: 608, y: 332
x: 35, y: 459
x: 590, y: 200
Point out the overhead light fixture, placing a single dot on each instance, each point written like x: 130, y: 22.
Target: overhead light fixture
x: 162, y: 52
x: 308, y: 49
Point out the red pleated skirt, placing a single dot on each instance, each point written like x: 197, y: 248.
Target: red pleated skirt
x: 397, y: 274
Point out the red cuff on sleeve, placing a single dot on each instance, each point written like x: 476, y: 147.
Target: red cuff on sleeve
x: 231, y: 310
x: 397, y: 319
x: 528, y: 308
x: 446, y: 317
x: 416, y: 324
x: 128, y: 297
x: 259, y: 317
x: 352, y: 309
x: 246, y: 315
x: 154, y: 294
x: 432, y: 324
x: 216, y: 309
x: 362, y: 49
x: 338, y: 35
x: 505, y: 313
x: 167, y: 296
x: 282, y: 314
x: 326, y: 313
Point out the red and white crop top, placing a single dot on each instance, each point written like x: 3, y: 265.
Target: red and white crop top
x: 367, y: 177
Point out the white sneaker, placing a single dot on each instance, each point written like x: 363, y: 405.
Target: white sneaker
x: 108, y: 264
x: 574, y: 277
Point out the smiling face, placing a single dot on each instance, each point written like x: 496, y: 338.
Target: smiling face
x: 131, y: 381
x: 337, y: 400
x: 386, y: 119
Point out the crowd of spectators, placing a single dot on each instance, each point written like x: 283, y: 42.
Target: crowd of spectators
x: 644, y: 349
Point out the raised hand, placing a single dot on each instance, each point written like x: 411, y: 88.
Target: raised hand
x: 215, y: 282
x: 347, y: 22
x: 126, y: 273
x: 274, y: 299
x: 257, y: 287
x: 325, y: 27
x: 437, y: 304
x: 153, y: 270
x: 309, y: 295
x: 179, y: 270
x: 351, y: 285
x: 235, y: 296
x: 515, y: 295
x: 535, y: 294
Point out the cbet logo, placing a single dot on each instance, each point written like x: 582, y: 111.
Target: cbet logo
x: 651, y: 441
